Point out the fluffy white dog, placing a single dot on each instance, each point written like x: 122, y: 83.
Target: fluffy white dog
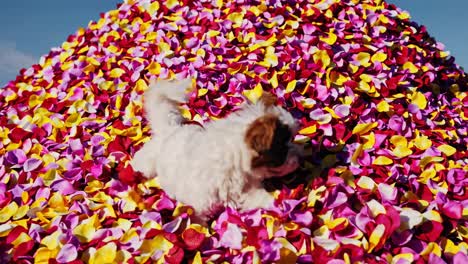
x: 222, y: 163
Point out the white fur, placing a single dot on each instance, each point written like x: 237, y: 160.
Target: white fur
x: 206, y: 167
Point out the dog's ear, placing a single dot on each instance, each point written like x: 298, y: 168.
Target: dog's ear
x: 260, y: 134
x: 268, y: 99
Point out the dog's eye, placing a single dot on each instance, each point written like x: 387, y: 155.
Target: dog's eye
x: 284, y: 135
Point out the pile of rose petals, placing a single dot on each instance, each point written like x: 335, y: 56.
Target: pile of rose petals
x: 383, y: 114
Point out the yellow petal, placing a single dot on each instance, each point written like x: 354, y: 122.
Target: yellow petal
x: 270, y: 57
x: 197, y: 259
x: 399, y: 141
x: 172, y: 3
x: 43, y: 255
x: 366, y: 183
x: 365, y: 77
x: 141, y: 86
x: 451, y: 248
x: 254, y: 94
x: 375, y: 237
x: 107, y: 86
x: 447, y: 149
x: 433, y: 215
x: 419, y: 99
x: 336, y: 222
x: 237, y: 18
x: 154, y: 68
x: 113, y: 49
x: 322, y: 56
x: 331, y: 39
x: 376, y: 208
x: 116, y: 73
x: 274, y: 80
x: 422, y: 142
x: 122, y: 256
x: 364, y: 128
x: 402, y: 151
x: 287, y: 256
x: 410, y: 66
x: 153, y: 7
x: 370, y: 141
x: 382, y: 160
x: 337, y: 78
x: 86, y: 230
x: 51, y: 241
x: 22, y: 238
x: 22, y: 211
x: 404, y: 15
x: 356, y: 154
x: 403, y: 258
x: 105, y: 254
x: 308, y: 130
x: 291, y: 86
x: 364, y: 86
x: 379, y: 56
x: 426, y: 175
x: 383, y: 106
x: 201, y: 92
x: 8, y: 211
x: 165, y: 48
x: 363, y: 58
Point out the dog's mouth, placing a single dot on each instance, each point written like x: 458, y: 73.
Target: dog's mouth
x: 290, y: 165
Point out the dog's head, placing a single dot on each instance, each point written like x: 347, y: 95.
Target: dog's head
x: 270, y: 137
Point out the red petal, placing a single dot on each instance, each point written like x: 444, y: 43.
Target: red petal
x: 192, y: 238
x: 175, y: 255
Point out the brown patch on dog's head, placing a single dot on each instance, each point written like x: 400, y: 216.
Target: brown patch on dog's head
x: 269, y: 138
x: 268, y: 99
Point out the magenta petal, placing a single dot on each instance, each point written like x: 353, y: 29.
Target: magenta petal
x: 165, y: 203
x: 460, y: 258
x: 453, y: 210
x: 76, y: 146
x: 302, y: 218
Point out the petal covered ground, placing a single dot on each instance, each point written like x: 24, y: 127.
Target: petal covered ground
x: 382, y: 108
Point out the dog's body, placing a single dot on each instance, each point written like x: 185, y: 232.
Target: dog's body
x: 222, y: 163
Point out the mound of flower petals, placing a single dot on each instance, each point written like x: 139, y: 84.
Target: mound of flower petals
x: 383, y: 114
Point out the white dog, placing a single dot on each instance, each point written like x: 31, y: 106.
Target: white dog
x: 222, y: 163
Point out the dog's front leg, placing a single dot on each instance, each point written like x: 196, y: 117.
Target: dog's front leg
x: 256, y: 197
x: 144, y: 160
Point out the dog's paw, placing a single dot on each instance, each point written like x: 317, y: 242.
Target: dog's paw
x: 142, y: 163
x: 256, y: 199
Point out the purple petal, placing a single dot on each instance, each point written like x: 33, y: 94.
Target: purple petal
x: 64, y: 187
x: 67, y: 253
x: 342, y: 110
x: 16, y: 156
x: 31, y: 164
x: 172, y: 226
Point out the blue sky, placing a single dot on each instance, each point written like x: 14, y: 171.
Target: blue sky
x: 29, y: 28
x: 446, y: 20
